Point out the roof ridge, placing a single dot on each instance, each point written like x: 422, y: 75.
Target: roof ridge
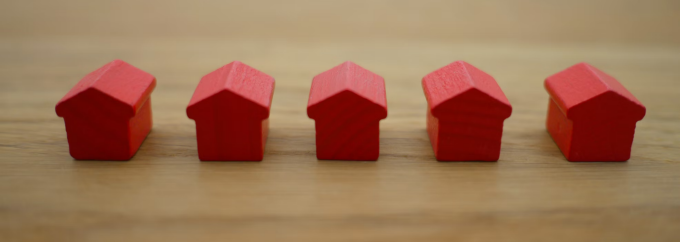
x: 347, y: 66
x: 111, y: 71
x: 594, y: 71
x: 104, y: 70
x: 467, y: 73
x: 228, y: 74
x: 476, y: 86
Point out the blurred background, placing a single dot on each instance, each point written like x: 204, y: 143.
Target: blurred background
x: 604, y: 21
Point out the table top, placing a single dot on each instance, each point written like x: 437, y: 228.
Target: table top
x: 164, y: 193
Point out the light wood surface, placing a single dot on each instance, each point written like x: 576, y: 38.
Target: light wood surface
x: 165, y: 194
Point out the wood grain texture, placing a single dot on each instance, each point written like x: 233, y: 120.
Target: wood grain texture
x: 165, y: 194
x: 465, y: 113
x: 347, y: 103
x: 231, y: 108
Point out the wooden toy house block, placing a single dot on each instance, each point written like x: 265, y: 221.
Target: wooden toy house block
x: 108, y: 113
x: 231, y: 108
x: 591, y: 116
x: 347, y: 103
x: 465, y: 114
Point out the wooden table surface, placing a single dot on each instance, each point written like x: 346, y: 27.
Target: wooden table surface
x: 165, y: 194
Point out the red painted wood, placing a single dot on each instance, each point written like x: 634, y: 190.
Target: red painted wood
x: 466, y: 110
x: 231, y: 109
x: 591, y: 116
x: 108, y: 113
x: 347, y: 103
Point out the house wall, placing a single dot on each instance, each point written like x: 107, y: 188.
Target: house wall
x: 229, y: 129
x: 592, y: 139
x: 559, y: 127
x: 605, y: 140
x: 96, y: 128
x: 468, y: 137
x: 350, y: 140
x: 140, y: 126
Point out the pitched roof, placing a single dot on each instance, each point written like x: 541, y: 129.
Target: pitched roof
x: 582, y: 83
x: 239, y: 79
x: 348, y: 76
x: 460, y: 79
x: 118, y: 80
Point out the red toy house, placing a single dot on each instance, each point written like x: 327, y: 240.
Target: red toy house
x: 347, y: 102
x: 108, y: 113
x: 466, y: 110
x: 231, y: 109
x: 591, y: 116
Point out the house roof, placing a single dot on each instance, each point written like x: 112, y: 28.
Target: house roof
x: 460, y: 81
x: 239, y: 79
x: 351, y: 77
x: 118, y: 80
x: 582, y: 83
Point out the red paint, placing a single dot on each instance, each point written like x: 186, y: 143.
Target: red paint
x: 347, y: 102
x: 591, y: 116
x: 466, y: 110
x: 231, y: 109
x: 108, y: 113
